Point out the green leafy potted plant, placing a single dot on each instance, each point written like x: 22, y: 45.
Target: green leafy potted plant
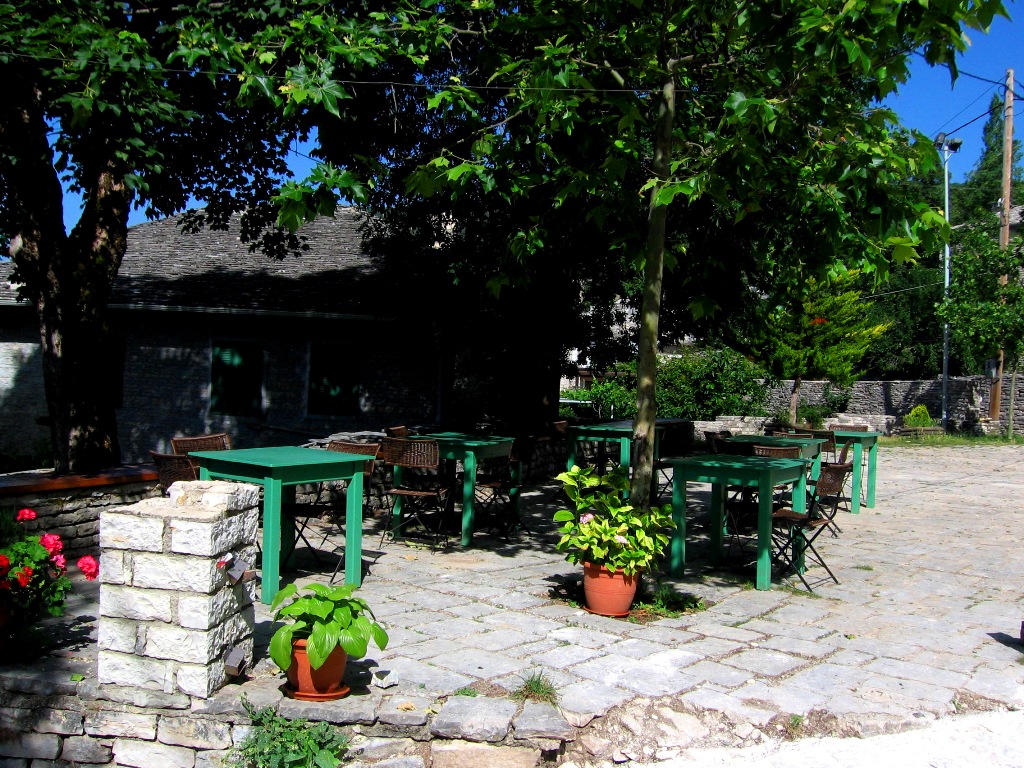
x: 614, y: 541
x: 322, y: 631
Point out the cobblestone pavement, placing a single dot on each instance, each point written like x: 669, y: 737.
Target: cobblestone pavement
x: 923, y: 626
x: 924, y: 623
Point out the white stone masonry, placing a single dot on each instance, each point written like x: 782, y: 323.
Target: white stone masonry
x: 168, y: 611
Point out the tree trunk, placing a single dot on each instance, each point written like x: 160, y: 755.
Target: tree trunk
x: 650, y: 311
x: 794, y: 400
x: 68, y: 280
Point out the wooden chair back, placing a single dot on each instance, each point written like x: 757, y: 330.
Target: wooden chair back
x: 363, y: 449
x: 399, y: 431
x: 849, y: 427
x: 777, y: 451
x: 415, y: 454
x: 217, y: 441
x: 172, y: 467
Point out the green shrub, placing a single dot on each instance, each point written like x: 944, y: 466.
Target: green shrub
x: 697, y: 384
x: 918, y: 417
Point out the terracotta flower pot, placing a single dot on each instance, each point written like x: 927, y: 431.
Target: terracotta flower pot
x: 607, y: 593
x: 323, y: 684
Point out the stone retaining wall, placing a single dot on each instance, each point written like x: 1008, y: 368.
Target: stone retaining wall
x: 74, y: 513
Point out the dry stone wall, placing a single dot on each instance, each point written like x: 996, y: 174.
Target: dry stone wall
x: 169, y: 613
x: 75, y: 513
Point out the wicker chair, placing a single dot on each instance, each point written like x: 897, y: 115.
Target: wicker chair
x: 424, y: 495
x: 217, y: 441
x: 828, y: 448
x: 778, y: 452
x: 794, y: 533
x: 170, y: 468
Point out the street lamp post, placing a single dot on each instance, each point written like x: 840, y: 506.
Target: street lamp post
x: 947, y: 146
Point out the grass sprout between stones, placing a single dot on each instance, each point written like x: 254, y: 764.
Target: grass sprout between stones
x: 537, y: 687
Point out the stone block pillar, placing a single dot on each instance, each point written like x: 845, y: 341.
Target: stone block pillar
x: 169, y: 613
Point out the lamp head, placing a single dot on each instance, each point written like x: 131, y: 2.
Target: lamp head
x: 954, y: 144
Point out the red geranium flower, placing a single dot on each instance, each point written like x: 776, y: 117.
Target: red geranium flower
x: 26, y: 514
x: 51, y: 542
x: 59, y: 561
x: 24, y: 577
x: 89, y: 567
x: 5, y: 565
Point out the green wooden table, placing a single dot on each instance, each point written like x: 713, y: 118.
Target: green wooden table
x: 723, y: 471
x: 279, y: 470
x: 470, y: 450
x: 620, y: 432
x: 861, y: 440
x: 810, y: 447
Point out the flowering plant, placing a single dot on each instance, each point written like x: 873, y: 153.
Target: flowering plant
x: 605, y: 529
x: 33, y: 573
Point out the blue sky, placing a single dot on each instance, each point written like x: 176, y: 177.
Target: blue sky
x: 928, y: 101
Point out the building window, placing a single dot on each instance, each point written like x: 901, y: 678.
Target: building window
x: 236, y: 378
x: 334, y: 381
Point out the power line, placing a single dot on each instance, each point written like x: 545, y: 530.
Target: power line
x: 903, y: 290
x: 993, y: 82
x: 954, y: 117
x: 986, y: 113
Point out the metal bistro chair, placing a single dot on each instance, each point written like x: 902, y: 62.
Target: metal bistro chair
x: 778, y: 452
x: 303, y: 514
x: 366, y: 449
x: 794, y: 534
x: 492, y: 493
x: 674, y: 444
x: 424, y: 495
x: 170, y: 468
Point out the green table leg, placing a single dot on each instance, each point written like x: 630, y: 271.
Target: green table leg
x: 717, y: 537
x: 872, y: 465
x: 677, y: 545
x: 468, y: 483
x: 354, y: 530
x: 763, y: 578
x: 271, y: 571
x: 858, y: 454
x: 571, y: 460
x: 624, y: 452
x: 396, y: 505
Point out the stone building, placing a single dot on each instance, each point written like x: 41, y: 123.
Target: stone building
x: 215, y: 338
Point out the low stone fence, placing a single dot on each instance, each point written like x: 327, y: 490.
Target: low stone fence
x: 71, y: 505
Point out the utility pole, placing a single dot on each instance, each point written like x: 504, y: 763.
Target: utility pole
x: 1004, y: 228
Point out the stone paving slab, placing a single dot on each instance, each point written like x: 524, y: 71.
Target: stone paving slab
x: 925, y: 617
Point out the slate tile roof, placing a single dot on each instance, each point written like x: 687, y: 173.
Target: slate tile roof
x: 214, y: 271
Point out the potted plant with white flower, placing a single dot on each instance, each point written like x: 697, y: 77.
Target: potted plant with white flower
x: 614, y: 540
